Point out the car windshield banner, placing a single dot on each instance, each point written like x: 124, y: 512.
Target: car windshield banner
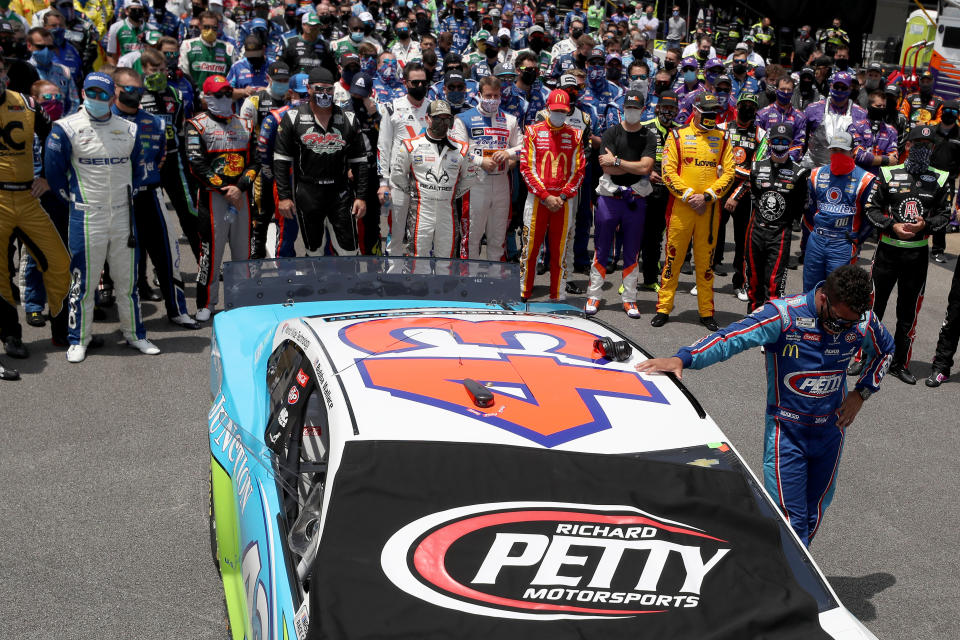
x: 453, y: 540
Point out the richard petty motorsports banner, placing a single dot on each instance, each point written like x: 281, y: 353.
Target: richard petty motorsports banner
x: 463, y: 541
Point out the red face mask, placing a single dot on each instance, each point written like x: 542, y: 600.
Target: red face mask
x: 841, y: 164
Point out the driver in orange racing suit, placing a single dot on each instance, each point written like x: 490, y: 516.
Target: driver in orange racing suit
x: 552, y: 165
x: 698, y: 170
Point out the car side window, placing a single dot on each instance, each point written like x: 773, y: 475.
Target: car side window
x: 281, y: 368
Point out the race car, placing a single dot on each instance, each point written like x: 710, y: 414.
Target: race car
x: 401, y: 450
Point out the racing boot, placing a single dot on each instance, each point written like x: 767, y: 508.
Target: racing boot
x: 901, y: 372
x: 709, y: 323
x: 936, y: 378
x: 659, y: 320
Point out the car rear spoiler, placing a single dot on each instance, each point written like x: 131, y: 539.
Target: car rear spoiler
x: 323, y: 278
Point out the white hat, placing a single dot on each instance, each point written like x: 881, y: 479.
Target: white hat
x: 503, y: 32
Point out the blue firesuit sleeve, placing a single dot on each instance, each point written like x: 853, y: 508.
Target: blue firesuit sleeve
x: 56, y: 161
x: 763, y: 326
x: 877, y: 353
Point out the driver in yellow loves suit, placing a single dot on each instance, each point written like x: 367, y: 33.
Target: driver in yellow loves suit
x: 698, y: 170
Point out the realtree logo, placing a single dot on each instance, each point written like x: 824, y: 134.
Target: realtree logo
x: 549, y: 561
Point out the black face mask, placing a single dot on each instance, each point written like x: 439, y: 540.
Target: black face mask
x: 290, y: 18
x: 613, y: 74
x: 926, y: 91
x: 739, y: 68
x: 806, y: 87
x: 536, y: 44
x: 256, y: 61
x: 669, y: 65
x: 417, y: 93
x: 660, y: 87
x: 474, y: 15
x: 842, y: 63
x: 581, y: 60
x: 746, y: 114
x: 458, y: 14
x: 703, y: 55
x: 197, y: 9
x: 576, y: 33
x: 490, y: 52
x: 529, y: 75
x: 876, y: 113
x: 504, y: 41
x: 948, y: 118
x: 423, y: 25
x: 403, y: 34
x: 131, y: 100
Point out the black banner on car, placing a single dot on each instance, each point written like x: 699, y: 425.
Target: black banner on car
x: 447, y: 540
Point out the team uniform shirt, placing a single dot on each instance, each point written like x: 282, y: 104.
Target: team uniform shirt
x: 562, y: 48
x: 824, y: 119
x: 536, y: 101
x: 243, y: 75
x: 199, y: 61
x: 406, y: 53
x: 302, y: 56
x: 462, y: 31
x: 124, y: 37
x: 60, y: 76
x: 774, y: 114
x: 603, y: 100
x: 399, y: 119
x: 68, y: 56
x: 166, y: 23
x: 884, y: 138
x: 256, y: 107
x: 384, y: 91
x: 922, y: 111
x: 749, y: 84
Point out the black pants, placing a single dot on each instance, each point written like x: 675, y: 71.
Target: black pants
x: 179, y: 187
x: 327, y: 208
x: 654, y: 224
x: 262, y: 210
x: 768, y: 252
x: 950, y: 331
x: 741, y: 216
x: 368, y: 226
x: 157, y: 241
x: 906, y: 268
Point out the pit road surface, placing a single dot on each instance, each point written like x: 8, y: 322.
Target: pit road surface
x: 104, y: 468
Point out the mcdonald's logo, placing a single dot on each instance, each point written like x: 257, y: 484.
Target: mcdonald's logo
x: 555, y: 160
x: 790, y: 350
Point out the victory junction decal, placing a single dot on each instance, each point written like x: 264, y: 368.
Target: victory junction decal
x: 550, y: 561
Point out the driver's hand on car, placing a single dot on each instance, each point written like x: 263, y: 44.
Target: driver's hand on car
x: 661, y: 365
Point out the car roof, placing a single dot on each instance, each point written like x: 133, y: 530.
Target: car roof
x: 403, y: 376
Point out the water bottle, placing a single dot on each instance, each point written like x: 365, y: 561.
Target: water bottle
x: 232, y: 214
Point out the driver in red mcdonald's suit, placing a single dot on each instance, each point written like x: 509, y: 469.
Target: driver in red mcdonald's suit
x: 552, y: 165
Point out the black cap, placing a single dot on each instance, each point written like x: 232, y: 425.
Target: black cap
x: 453, y: 76
x: 668, y: 98
x: 823, y: 61
x: 806, y: 71
x: 321, y: 75
x: 349, y: 58
x: 723, y: 78
x: 953, y: 105
x: 875, y: 66
x: 361, y: 85
x: 781, y: 130
x: 892, y: 89
x: 922, y: 132
x: 279, y: 71
x: 633, y: 100
x: 708, y: 102
x: 926, y: 74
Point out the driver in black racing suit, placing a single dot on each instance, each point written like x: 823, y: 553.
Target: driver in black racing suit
x: 779, y: 191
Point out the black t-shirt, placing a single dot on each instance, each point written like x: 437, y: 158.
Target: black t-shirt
x: 628, y: 145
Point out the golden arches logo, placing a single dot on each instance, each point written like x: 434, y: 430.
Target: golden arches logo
x: 790, y: 350
x: 556, y: 161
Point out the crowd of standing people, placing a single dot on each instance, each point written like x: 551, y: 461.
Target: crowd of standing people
x: 504, y: 130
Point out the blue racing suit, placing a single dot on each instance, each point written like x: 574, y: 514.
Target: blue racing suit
x: 835, y: 220
x: 266, y: 194
x: 806, y: 384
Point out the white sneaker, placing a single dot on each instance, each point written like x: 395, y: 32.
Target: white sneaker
x: 144, y: 346
x: 185, y: 321
x: 76, y: 353
x: 693, y: 291
x: 203, y: 314
x: 742, y: 295
x: 592, y: 305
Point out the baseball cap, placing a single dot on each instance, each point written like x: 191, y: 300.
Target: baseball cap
x: 713, y: 63
x: 923, y: 132
x: 361, y: 85
x: 633, y: 100
x: 892, y: 90
x: 535, y: 29
x: 746, y: 96
x: 741, y: 46
x: 558, y: 100
x: 366, y: 16
x: 689, y: 63
x: 668, y: 98
x: 439, y: 108
x: 595, y: 53
x: 258, y: 23
x: 279, y: 71
x: 781, y: 130
x: 842, y: 77
x: 926, y: 74
x: 614, y: 56
x: 349, y: 57
x: 311, y: 19
x: 806, y: 71
x: 482, y: 36
x: 97, y: 80
x: 723, y: 78
x: 298, y: 83
x: 568, y: 80
x: 453, y: 76
x: 823, y: 61
x: 503, y: 32
x: 841, y: 140
x: 505, y: 69
x: 875, y: 66
x: 320, y: 75
x: 707, y: 102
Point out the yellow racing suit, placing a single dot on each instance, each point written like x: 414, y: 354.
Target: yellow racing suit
x: 20, y: 213
x: 695, y: 161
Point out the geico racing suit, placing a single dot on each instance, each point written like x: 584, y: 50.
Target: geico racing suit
x: 19, y: 210
x: 486, y: 206
x: 835, y: 220
x: 806, y: 384
x: 90, y: 163
x: 695, y: 161
x: 320, y: 158
x: 552, y: 164
x: 436, y: 172
x: 399, y: 120
x: 779, y: 193
x: 219, y: 153
x: 903, y: 197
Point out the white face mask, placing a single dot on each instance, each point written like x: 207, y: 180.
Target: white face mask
x: 632, y: 116
x: 222, y: 107
x: 557, y: 118
x: 489, y: 105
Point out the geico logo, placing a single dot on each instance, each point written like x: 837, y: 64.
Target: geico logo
x: 814, y: 384
x: 104, y: 161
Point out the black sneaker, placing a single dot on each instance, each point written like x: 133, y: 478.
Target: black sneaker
x: 36, y: 319
x: 149, y: 294
x: 936, y: 378
x: 659, y: 320
x: 720, y: 271
x: 14, y: 348
x: 709, y: 323
x: 939, y: 258
x: 686, y: 269
x: 6, y: 373
x: 855, y: 368
x: 574, y: 290
x: 541, y: 268
x: 903, y: 374
x: 583, y: 270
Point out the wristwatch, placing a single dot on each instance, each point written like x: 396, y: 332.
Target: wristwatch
x: 864, y: 393
x: 616, y: 162
x: 563, y: 197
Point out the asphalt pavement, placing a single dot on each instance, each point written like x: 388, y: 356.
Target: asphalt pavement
x: 104, y: 466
